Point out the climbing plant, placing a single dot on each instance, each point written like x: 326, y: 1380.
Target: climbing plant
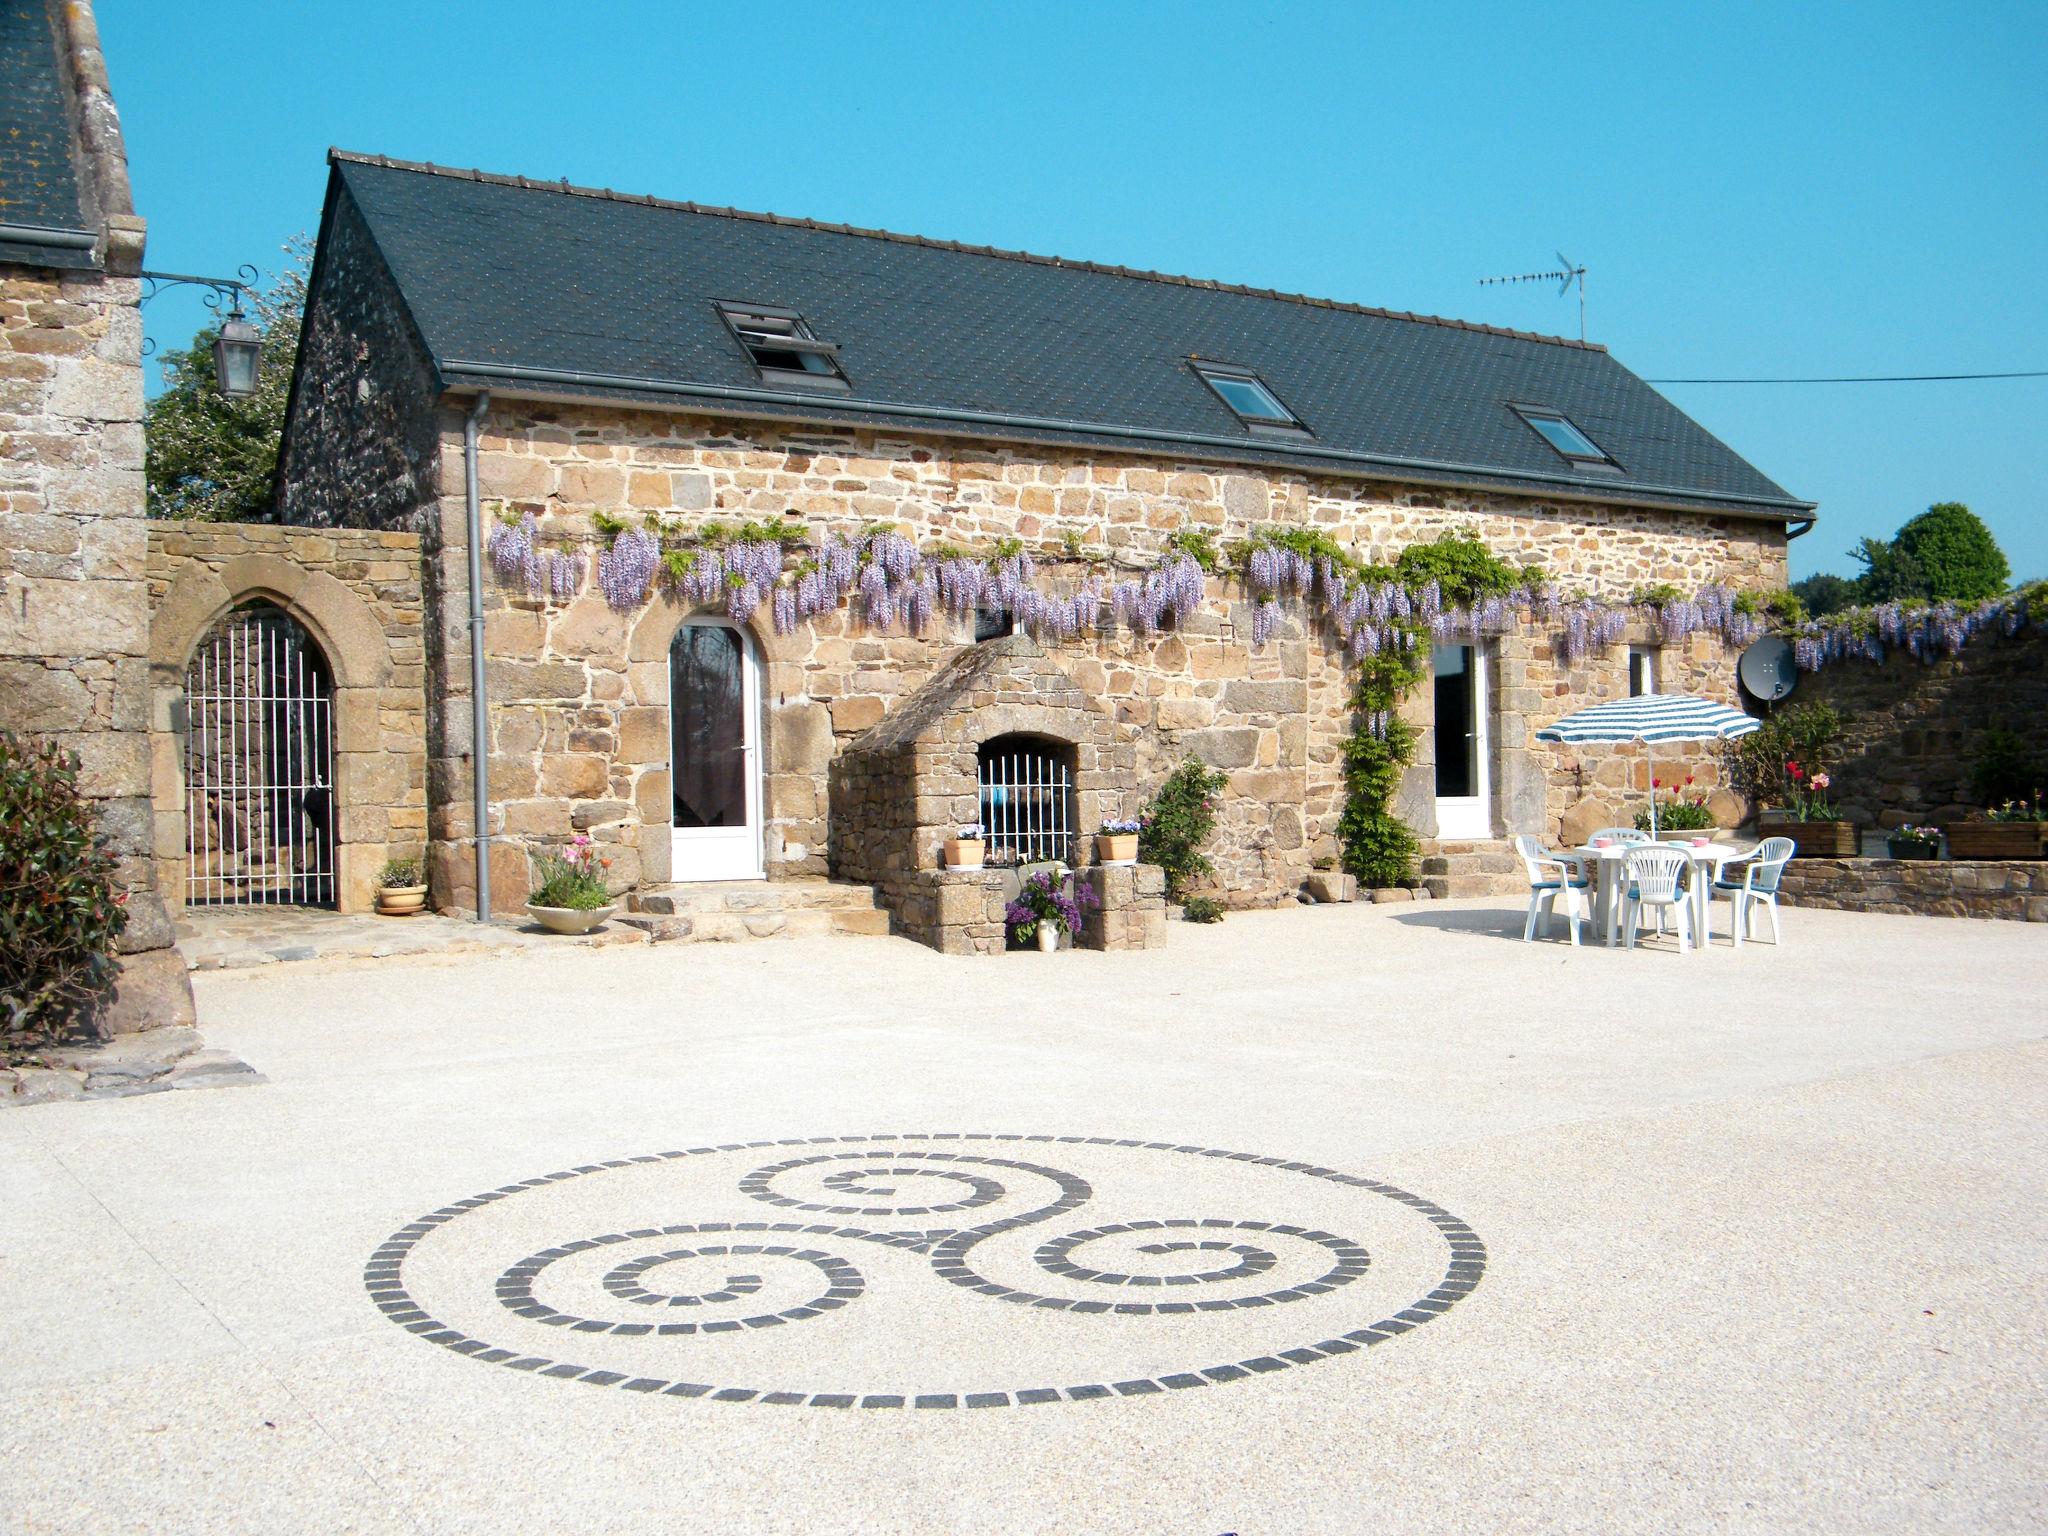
x: 1178, y: 821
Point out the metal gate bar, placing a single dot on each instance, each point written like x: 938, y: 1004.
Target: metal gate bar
x: 1026, y: 803
x: 259, y: 765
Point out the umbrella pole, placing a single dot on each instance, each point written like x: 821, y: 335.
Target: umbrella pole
x: 1650, y: 771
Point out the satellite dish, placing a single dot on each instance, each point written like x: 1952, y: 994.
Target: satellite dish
x: 1767, y: 669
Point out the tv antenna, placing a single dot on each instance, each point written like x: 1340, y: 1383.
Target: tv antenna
x: 1568, y: 273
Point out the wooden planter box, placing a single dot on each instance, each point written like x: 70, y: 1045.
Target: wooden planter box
x: 1815, y: 839
x: 1995, y: 839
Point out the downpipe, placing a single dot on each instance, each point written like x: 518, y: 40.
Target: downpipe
x: 479, y: 721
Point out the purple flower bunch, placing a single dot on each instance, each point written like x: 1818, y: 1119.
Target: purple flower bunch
x: 1170, y: 592
x: 517, y: 556
x: 1926, y: 632
x: 624, y: 570
x: 1047, y: 898
x: 511, y: 546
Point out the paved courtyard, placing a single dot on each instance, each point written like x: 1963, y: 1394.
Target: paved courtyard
x: 1366, y: 1218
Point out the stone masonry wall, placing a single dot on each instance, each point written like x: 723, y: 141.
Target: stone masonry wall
x: 1912, y: 732
x: 1994, y: 888
x: 358, y: 592
x: 579, y: 693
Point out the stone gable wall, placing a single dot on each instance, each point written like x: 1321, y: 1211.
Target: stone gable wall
x: 579, y: 694
x: 357, y: 591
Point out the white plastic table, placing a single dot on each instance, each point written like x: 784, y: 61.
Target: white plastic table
x: 1611, y: 862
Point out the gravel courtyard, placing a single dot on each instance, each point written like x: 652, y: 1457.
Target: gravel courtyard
x: 1521, y: 1238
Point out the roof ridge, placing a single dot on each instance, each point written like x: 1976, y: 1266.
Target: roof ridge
x: 648, y: 200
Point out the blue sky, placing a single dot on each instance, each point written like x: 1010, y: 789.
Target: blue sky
x: 1757, y: 190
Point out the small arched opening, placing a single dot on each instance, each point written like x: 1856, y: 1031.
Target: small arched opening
x: 1027, y: 799
x: 259, y: 763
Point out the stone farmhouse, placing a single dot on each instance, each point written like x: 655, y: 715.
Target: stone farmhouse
x: 765, y: 550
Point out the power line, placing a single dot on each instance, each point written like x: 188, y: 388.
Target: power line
x: 1868, y: 378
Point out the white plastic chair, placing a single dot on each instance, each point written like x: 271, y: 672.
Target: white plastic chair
x: 1553, y: 877
x: 1656, y: 878
x: 1629, y: 835
x: 1751, y: 882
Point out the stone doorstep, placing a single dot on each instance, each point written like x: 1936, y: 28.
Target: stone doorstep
x: 153, y: 1061
x: 733, y: 911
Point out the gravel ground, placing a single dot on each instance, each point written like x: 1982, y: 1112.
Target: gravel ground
x: 1530, y: 1239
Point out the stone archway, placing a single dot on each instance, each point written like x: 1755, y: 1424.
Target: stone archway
x: 358, y: 657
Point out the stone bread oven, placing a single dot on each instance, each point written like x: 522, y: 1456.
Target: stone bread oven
x: 901, y: 788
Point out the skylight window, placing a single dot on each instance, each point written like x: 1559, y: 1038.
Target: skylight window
x: 782, y: 347
x: 1249, y: 399
x: 1556, y: 429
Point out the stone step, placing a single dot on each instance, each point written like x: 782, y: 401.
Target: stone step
x: 1452, y: 887
x: 1470, y: 864
x: 733, y: 911
x: 692, y: 898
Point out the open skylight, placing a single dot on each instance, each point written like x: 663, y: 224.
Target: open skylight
x: 781, y: 345
x: 1556, y: 429
x: 1249, y: 398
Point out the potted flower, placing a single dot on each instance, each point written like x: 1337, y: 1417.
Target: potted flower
x: 2018, y: 829
x: 966, y: 850
x: 1809, y: 817
x: 401, y: 888
x: 1685, y: 811
x: 1049, y: 905
x: 569, y: 895
x: 1117, y: 842
x: 1914, y: 842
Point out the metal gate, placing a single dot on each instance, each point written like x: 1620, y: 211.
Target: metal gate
x: 1027, y: 801
x: 259, y: 764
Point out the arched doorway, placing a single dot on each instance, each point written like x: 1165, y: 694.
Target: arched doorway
x: 259, y: 764
x: 714, y: 752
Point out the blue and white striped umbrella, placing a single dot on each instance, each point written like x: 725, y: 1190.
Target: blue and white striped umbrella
x: 1651, y: 718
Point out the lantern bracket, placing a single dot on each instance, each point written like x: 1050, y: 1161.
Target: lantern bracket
x: 230, y: 291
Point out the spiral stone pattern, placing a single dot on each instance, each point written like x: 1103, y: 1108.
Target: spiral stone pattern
x: 900, y: 1190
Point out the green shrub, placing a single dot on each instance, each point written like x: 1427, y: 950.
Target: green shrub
x: 400, y: 872
x: 1956, y: 554
x: 2004, y: 769
x: 1178, y: 821
x: 1379, y: 848
x: 1202, y: 909
x: 1805, y: 734
x: 60, y: 906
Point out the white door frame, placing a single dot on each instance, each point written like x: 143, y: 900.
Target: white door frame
x: 721, y: 853
x: 1470, y: 817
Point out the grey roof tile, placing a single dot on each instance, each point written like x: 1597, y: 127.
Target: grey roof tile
x: 505, y: 274
x: 39, y: 180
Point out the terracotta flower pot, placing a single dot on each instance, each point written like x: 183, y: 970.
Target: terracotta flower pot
x: 1995, y: 839
x: 1116, y: 847
x: 965, y: 852
x: 569, y: 919
x: 400, y: 900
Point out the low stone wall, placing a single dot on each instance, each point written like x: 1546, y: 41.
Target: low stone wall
x: 357, y: 593
x: 2008, y: 888
x: 960, y: 911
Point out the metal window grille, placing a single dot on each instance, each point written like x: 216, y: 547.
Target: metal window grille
x: 259, y: 765
x: 1027, y: 802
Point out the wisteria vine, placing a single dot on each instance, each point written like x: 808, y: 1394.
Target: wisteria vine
x: 890, y: 583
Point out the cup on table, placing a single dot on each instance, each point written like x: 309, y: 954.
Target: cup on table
x: 1603, y: 842
x: 1701, y: 842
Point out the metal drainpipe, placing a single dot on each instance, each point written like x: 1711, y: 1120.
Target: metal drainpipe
x: 479, y: 725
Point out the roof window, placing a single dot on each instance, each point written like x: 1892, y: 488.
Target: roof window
x: 782, y: 347
x: 1556, y: 429
x: 1249, y: 399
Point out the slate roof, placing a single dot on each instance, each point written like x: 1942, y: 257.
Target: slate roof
x: 543, y: 288
x: 39, y: 177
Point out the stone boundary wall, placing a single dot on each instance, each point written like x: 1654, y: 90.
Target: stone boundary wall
x: 572, y: 682
x: 960, y: 911
x: 2004, y: 888
x: 1913, y: 730
x: 357, y: 591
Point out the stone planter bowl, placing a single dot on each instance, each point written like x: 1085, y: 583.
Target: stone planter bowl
x: 400, y: 900
x: 569, y: 919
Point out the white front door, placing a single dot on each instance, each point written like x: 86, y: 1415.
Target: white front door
x: 714, y: 691
x: 1464, y: 798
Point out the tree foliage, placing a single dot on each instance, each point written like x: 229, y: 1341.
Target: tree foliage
x: 1178, y: 822
x: 215, y: 460
x: 1823, y: 594
x: 1957, y: 557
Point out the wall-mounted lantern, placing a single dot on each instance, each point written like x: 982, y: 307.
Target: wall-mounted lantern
x: 238, y: 348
